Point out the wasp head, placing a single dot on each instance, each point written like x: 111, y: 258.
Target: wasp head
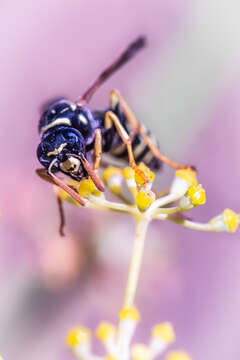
x: 63, y: 147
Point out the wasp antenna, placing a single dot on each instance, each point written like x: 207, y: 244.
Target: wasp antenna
x: 95, y: 178
x: 124, y: 57
x: 63, y: 186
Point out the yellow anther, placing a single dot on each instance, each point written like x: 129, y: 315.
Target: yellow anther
x: 143, y: 174
x: 197, y: 194
x: 188, y: 175
x: 129, y: 314
x: 63, y: 195
x: 78, y: 336
x: 110, y: 171
x: 87, y: 187
x: 231, y: 219
x: 140, y: 352
x: 73, y: 183
x: 178, y: 355
x: 105, y: 331
x: 164, y: 332
x: 144, y: 199
x: 128, y: 173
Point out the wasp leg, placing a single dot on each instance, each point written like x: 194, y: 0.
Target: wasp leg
x: 97, y: 148
x: 115, y: 98
x: 43, y: 175
x: 111, y: 118
x: 61, y: 216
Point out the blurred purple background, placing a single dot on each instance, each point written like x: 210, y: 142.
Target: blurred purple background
x: 185, y: 86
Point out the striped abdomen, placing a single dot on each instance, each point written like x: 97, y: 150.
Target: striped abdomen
x: 141, y: 151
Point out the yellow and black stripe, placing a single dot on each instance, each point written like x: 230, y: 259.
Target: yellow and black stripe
x: 141, y: 151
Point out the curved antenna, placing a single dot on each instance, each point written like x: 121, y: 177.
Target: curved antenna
x: 91, y: 172
x: 93, y: 175
x: 124, y: 57
x: 63, y: 186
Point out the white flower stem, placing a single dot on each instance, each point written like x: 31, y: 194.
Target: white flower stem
x: 126, y: 327
x: 190, y: 224
x: 136, y: 260
x: 168, y: 210
x: 102, y: 204
x: 165, y: 200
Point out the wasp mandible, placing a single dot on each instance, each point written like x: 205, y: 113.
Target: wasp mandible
x: 73, y: 137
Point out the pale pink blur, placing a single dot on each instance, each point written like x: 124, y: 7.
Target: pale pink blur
x: 186, y: 87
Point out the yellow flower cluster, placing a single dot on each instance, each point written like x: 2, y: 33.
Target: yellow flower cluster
x: 138, y: 182
x: 116, y: 342
x: 133, y: 187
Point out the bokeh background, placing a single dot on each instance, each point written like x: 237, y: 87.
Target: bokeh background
x: 185, y: 86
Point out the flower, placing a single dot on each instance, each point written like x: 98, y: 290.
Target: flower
x: 227, y: 221
x: 140, y: 352
x: 143, y: 175
x: 164, y: 332
x: 78, y: 336
x: 144, y: 205
x: 87, y: 187
x: 105, y: 331
x: 78, y: 340
x: 118, y: 343
x: 178, y: 355
x: 183, y: 179
x: 196, y: 194
x: 113, y: 178
x: 144, y: 198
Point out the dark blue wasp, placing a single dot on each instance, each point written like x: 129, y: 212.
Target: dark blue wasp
x: 73, y: 137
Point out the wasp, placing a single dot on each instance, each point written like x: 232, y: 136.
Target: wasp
x: 73, y: 137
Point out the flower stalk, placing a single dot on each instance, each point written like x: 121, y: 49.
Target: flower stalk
x: 136, y: 260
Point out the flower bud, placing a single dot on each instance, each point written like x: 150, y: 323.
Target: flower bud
x: 113, y: 178
x: 196, y: 194
x: 143, y: 174
x: 140, y: 352
x: 110, y: 357
x: 105, y: 331
x: 144, y: 199
x: 227, y: 221
x: 183, y: 179
x: 165, y: 332
x: 130, y: 313
x: 78, y: 336
x: 87, y: 187
x: 162, y: 335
